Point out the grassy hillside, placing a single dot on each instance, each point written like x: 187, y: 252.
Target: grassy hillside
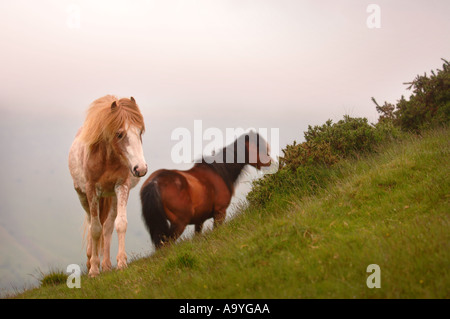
x: 390, y: 208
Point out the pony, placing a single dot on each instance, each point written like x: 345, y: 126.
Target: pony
x: 106, y: 160
x: 204, y: 191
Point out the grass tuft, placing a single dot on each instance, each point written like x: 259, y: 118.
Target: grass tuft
x: 53, y: 278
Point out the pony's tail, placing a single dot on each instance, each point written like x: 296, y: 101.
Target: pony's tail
x: 154, y: 215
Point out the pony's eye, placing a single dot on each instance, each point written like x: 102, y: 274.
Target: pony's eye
x: 120, y: 135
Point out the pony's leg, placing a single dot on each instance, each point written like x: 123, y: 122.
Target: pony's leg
x: 85, y: 204
x: 219, y: 216
x: 88, y: 247
x: 83, y: 200
x: 121, y: 222
x: 176, y: 229
x: 108, y: 227
x: 95, y: 230
x: 198, y: 228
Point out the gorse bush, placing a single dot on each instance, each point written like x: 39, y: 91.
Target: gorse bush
x: 307, y: 154
x: 307, y: 166
x: 325, y: 145
x: 346, y: 137
x: 429, y: 104
x: 305, y: 179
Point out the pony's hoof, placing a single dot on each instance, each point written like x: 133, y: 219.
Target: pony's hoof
x: 93, y: 273
x: 122, y: 265
x: 106, y: 266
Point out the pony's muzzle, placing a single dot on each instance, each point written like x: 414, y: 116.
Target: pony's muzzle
x: 140, y: 171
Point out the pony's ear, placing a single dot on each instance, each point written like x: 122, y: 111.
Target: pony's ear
x: 133, y: 100
x: 113, y: 106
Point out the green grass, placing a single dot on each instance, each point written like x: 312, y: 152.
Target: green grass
x: 390, y: 209
x: 53, y: 278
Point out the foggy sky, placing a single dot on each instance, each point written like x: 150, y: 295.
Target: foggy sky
x: 311, y: 58
x: 236, y: 63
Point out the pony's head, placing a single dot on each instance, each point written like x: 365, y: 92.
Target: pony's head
x: 252, y: 149
x: 257, y: 150
x: 120, y: 124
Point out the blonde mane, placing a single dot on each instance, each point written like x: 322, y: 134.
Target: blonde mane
x: 104, y: 121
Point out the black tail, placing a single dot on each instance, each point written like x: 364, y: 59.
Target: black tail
x: 154, y: 214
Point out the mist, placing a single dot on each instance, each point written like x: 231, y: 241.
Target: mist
x: 263, y: 64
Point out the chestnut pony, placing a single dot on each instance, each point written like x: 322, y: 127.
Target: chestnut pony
x: 106, y: 160
x: 202, y: 192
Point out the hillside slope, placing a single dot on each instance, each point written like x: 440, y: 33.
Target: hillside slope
x: 389, y: 209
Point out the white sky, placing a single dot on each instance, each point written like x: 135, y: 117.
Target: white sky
x: 312, y: 59
x: 237, y: 63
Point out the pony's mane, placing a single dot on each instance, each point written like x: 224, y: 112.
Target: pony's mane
x: 229, y: 172
x: 102, y: 122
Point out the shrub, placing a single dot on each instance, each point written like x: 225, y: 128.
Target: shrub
x: 347, y: 137
x: 306, y: 167
x: 303, y: 180
x: 307, y: 154
x: 429, y: 104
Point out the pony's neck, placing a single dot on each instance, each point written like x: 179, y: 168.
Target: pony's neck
x: 105, y: 151
x: 228, y: 171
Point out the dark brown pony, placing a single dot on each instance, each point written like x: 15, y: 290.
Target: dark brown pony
x: 202, y: 192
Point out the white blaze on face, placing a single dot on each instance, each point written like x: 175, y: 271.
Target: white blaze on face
x: 134, y: 152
